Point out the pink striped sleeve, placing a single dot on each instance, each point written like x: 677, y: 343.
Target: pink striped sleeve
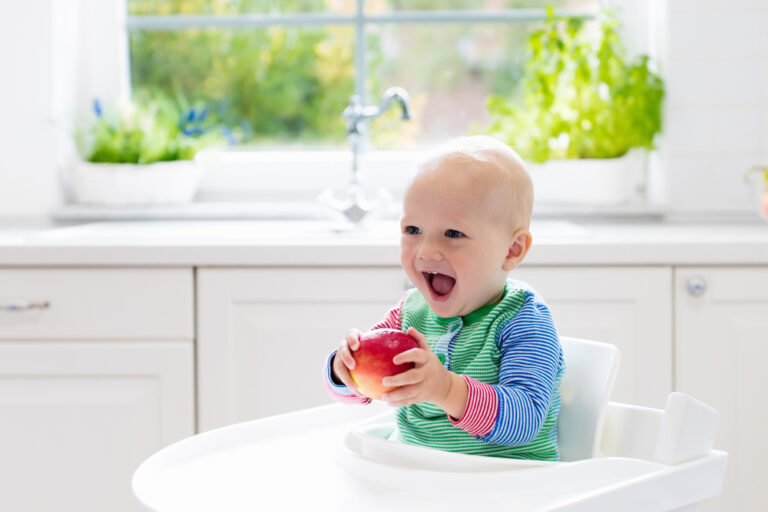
x: 393, y: 318
x: 482, y: 409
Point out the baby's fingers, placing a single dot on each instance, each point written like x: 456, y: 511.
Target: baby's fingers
x: 353, y: 339
x: 416, y: 356
x: 420, y: 338
x: 345, y: 355
x: 405, y: 378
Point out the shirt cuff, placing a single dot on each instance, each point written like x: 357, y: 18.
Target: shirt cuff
x: 340, y: 392
x: 482, y: 409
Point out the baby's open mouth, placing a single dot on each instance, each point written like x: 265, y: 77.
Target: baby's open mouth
x: 440, y: 284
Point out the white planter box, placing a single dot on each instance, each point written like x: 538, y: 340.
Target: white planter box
x: 595, y: 182
x: 130, y: 184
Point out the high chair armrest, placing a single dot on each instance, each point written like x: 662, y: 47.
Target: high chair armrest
x: 631, y: 431
x: 687, y: 430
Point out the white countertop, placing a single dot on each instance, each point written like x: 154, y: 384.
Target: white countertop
x: 320, y: 243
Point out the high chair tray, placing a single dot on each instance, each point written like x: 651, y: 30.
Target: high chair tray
x: 336, y: 458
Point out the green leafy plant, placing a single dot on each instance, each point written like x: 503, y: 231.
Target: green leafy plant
x: 581, y: 97
x: 151, y: 128
x: 276, y: 84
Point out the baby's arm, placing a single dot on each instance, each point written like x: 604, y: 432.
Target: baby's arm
x: 512, y: 412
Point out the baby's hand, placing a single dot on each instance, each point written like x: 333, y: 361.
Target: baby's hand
x: 345, y: 361
x: 428, y: 381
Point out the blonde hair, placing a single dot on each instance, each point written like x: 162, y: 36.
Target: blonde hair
x: 511, y: 181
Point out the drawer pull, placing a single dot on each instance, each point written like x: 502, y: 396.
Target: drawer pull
x: 696, y: 286
x: 12, y: 305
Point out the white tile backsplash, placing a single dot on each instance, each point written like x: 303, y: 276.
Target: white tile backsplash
x: 686, y: 6
x: 740, y: 33
x: 737, y: 131
x: 691, y: 82
x: 737, y: 82
x: 716, y: 108
x: 685, y: 178
x: 691, y: 34
x: 689, y: 130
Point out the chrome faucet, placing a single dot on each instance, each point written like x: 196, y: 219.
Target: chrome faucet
x: 355, y: 205
x: 358, y: 115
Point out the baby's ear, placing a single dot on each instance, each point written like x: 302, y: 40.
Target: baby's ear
x: 518, y: 248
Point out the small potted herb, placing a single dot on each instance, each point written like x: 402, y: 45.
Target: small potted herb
x: 142, y: 152
x: 581, y: 98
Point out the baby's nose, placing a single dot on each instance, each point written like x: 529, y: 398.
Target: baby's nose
x: 429, y: 251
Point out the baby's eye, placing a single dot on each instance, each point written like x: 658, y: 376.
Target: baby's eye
x: 452, y: 233
x: 412, y: 230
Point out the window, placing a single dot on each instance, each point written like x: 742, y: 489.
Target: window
x: 281, y: 73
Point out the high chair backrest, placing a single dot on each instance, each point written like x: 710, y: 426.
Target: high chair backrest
x: 590, y: 371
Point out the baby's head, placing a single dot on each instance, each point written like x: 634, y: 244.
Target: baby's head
x: 466, y: 214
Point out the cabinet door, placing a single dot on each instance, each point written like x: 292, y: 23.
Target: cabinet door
x: 630, y: 307
x: 264, y: 334
x: 721, y: 356
x: 77, y: 418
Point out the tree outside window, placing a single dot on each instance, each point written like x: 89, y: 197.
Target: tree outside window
x: 285, y: 82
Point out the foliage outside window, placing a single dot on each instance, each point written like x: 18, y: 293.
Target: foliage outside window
x: 287, y: 84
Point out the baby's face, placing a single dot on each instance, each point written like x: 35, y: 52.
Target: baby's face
x: 452, y: 247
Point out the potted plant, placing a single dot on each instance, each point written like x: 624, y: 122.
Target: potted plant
x: 141, y: 153
x: 583, y: 101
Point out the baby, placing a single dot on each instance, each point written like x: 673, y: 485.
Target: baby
x: 489, y: 362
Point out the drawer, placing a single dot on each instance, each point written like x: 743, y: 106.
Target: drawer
x: 116, y: 303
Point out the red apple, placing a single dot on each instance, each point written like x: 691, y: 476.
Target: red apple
x: 373, y: 360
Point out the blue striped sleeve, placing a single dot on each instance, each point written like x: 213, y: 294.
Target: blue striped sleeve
x: 531, y: 358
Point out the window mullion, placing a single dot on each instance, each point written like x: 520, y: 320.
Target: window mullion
x: 361, y: 71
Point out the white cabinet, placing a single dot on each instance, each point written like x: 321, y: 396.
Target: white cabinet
x: 630, y: 307
x: 96, y: 374
x: 721, y: 354
x: 264, y: 334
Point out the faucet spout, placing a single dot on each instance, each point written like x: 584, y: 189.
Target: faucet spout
x: 401, y: 96
x: 357, y: 114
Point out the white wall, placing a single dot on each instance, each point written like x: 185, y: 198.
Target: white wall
x: 57, y: 55
x: 715, y: 60
x: 28, y: 184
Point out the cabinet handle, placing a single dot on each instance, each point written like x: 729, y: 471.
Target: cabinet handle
x: 696, y: 286
x: 12, y: 305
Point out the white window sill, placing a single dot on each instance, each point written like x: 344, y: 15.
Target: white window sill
x: 299, y: 175
x: 286, y: 184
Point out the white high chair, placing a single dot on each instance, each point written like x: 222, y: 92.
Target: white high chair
x: 613, y: 457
